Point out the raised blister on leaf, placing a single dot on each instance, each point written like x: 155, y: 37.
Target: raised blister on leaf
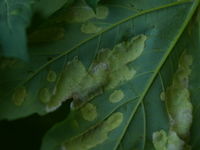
x: 116, y: 96
x: 108, y: 70
x: 179, y: 107
x: 51, y: 76
x: 160, y: 140
x: 19, y: 95
x: 178, y: 98
x: 53, y: 105
x: 127, y: 51
x: 44, y: 95
x: 113, y: 121
x: 95, y: 136
x: 89, y: 112
x: 68, y: 83
x: 101, y: 66
x: 81, y: 13
x: 90, y: 28
x: 174, y: 142
x: 102, y: 12
x: 119, y: 76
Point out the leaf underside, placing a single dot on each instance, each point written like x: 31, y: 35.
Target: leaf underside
x: 162, y: 22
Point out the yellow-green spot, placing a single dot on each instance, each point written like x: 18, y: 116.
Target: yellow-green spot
x: 160, y: 140
x: 116, y: 96
x: 53, y: 105
x: 44, y: 95
x: 175, y: 142
x: 90, y: 28
x: 82, y: 13
x: 52, y: 76
x: 95, y: 136
x: 113, y: 121
x: 179, y: 108
x: 170, y: 141
x: 79, y: 14
x: 102, y: 12
x: 19, y: 95
x: 68, y: 84
x: 119, y: 76
x: 129, y: 73
x: 178, y: 98
x: 162, y: 96
x: 89, y: 112
x: 108, y: 70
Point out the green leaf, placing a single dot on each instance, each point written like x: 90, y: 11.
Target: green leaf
x: 120, y: 116
x: 112, y: 121
x: 141, y: 107
x: 14, y: 18
x: 47, y: 7
x: 191, y: 40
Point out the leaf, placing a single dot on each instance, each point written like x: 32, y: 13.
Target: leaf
x: 142, y: 110
x: 14, y: 19
x: 111, y: 124
x: 51, y: 6
x: 191, y: 41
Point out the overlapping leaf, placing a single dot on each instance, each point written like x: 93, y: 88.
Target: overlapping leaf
x: 51, y: 6
x: 14, y: 19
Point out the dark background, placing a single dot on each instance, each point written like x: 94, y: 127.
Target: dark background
x: 27, y: 133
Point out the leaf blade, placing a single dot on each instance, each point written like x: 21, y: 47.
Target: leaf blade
x: 137, y: 103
